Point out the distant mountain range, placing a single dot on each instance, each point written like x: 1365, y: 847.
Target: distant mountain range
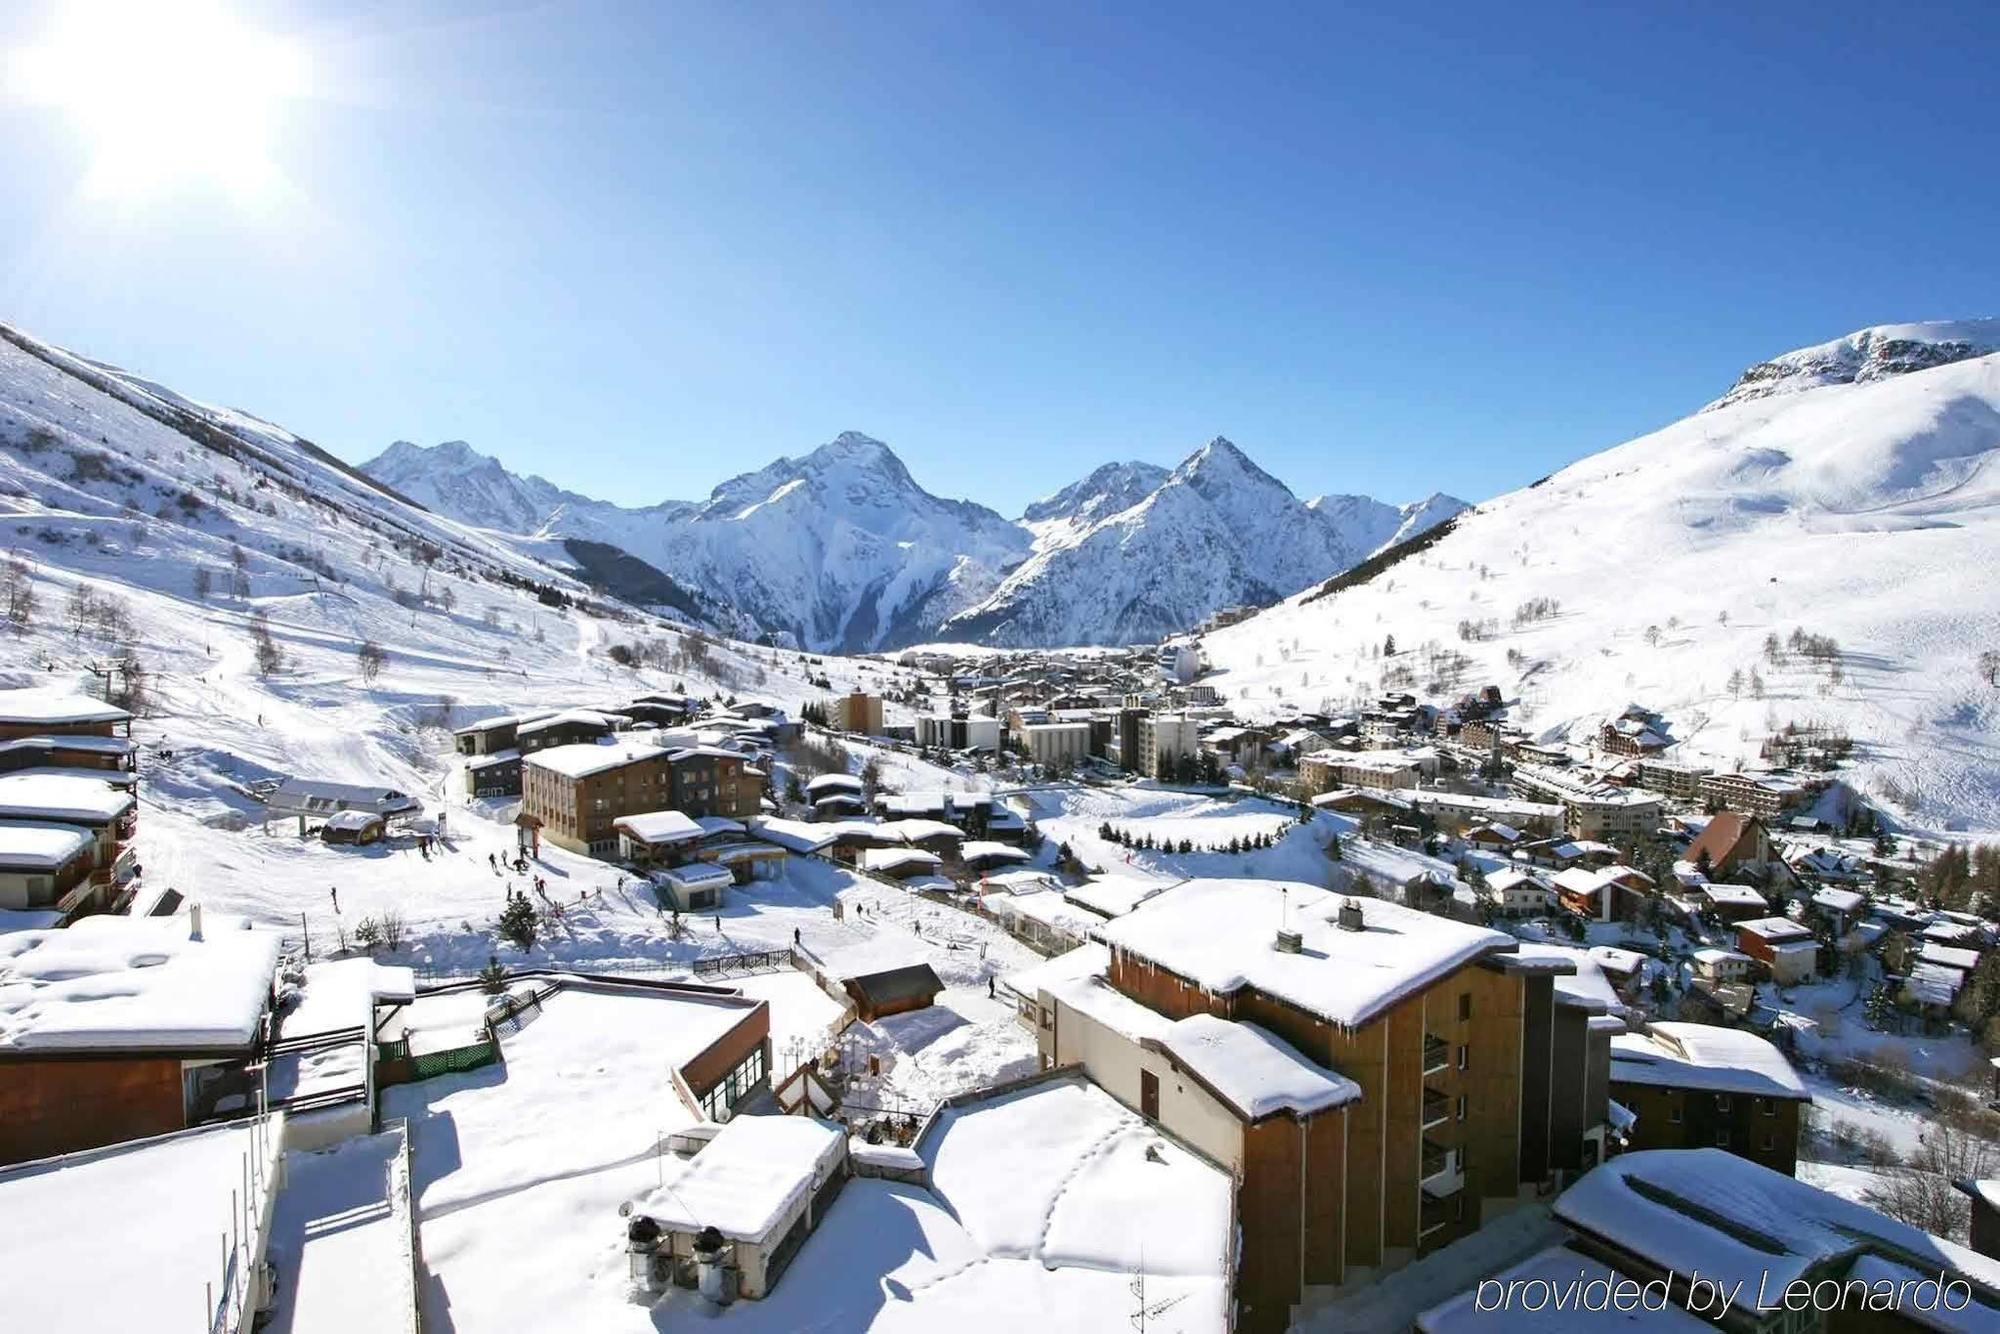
x: 842, y: 550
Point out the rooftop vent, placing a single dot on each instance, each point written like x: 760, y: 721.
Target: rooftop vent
x: 1290, y: 942
x: 1349, y: 917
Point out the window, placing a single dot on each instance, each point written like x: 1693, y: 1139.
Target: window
x: 1722, y: 1138
x: 1674, y: 1112
x: 1464, y: 1005
x: 1464, y: 1055
x: 1722, y: 1102
x: 1461, y: 1106
x: 1770, y: 1142
x: 1770, y: 1106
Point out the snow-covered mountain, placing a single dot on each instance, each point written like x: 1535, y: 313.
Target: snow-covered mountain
x: 456, y: 480
x: 1852, y: 493
x: 1865, y: 355
x: 837, y: 549
x: 842, y: 549
x: 1218, y: 531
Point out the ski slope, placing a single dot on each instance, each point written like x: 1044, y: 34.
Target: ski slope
x: 1862, y: 508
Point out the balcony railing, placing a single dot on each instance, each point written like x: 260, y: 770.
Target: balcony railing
x: 1437, y: 1109
x: 1442, y: 1174
x: 1436, y: 1214
x: 1437, y: 1054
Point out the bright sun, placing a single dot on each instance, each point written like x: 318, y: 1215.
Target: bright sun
x: 168, y: 91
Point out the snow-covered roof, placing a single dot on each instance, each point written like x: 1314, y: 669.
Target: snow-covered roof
x: 1585, y: 987
x: 499, y: 721
x: 1742, y: 895
x: 1705, y: 1056
x: 592, y: 757
x: 170, y: 1192
x: 1838, y: 900
x: 698, y: 875
x: 1559, y: 1270
x: 659, y: 827
x: 38, y: 845
x: 1256, y: 1072
x: 1221, y: 934
x: 1514, y: 877
x: 573, y: 717
x: 749, y: 1177
x: 1715, y: 954
x: 918, y: 831
x: 352, y: 821
x: 115, y: 983
x: 982, y: 850
x: 1049, y: 908
x: 793, y: 835
x: 43, y: 705
x: 1933, y: 983
x: 1084, y: 962
x: 85, y: 743
x: 1732, y: 1219
x: 1115, y: 895
x: 712, y: 825
x: 1950, y: 957
x: 895, y: 859
x: 1776, y: 930
x: 30, y: 796
x: 828, y: 784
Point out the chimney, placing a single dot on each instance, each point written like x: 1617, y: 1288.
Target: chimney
x: 1289, y: 941
x: 194, y: 921
x: 1349, y: 917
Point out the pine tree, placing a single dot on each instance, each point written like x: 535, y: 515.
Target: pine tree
x: 519, y: 921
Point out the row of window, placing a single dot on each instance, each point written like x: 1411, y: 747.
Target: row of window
x: 738, y: 1084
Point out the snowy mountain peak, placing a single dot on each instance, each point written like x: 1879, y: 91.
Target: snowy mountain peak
x: 1112, y: 488
x: 1865, y: 355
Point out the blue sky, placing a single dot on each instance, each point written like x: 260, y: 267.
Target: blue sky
x: 640, y: 248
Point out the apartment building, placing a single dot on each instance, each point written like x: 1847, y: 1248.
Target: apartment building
x: 577, y: 793
x: 1592, y: 808
x: 1056, y: 743
x: 856, y: 711
x: 1694, y: 1086
x: 1163, y: 739
x: 1328, y: 770
x: 1377, y: 1079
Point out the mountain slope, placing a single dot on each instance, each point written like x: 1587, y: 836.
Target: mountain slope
x: 1218, y: 531
x: 1860, y: 503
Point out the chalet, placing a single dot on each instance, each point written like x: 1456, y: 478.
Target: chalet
x: 1985, y: 1197
x: 1840, y: 909
x: 656, y: 838
x: 903, y: 864
x: 1720, y: 967
x: 1500, y: 838
x: 1517, y: 892
x: 879, y: 993
x: 1045, y: 919
x: 119, y: 1027
x: 1636, y: 731
x: 1734, y: 846
x: 1695, y: 1086
x: 1733, y: 903
x: 1404, y: 1056
x: 1785, y: 949
x: 1603, y: 895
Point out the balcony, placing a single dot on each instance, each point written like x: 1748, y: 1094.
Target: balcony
x: 1437, y: 1109
x: 1437, y: 1054
x: 1442, y: 1173
x: 1437, y: 1214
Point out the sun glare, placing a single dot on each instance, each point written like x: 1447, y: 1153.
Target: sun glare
x: 166, y: 91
